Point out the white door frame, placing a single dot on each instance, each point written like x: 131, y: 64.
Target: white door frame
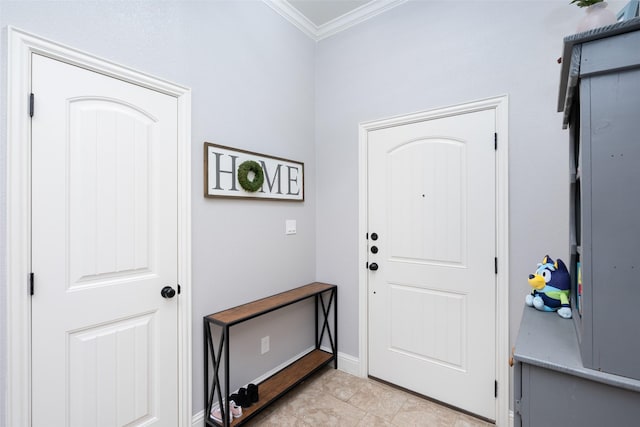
x: 21, y: 46
x: 501, y: 107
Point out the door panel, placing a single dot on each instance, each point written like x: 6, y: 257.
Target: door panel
x: 109, y: 205
x: 428, y: 325
x: 428, y: 225
x: 112, y: 368
x: 432, y: 300
x: 104, y: 238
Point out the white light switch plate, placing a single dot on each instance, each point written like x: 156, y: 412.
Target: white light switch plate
x: 290, y: 226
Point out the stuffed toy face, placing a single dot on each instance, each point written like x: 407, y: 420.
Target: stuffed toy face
x: 550, y: 287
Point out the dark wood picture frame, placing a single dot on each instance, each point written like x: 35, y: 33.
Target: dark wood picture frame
x: 283, y: 178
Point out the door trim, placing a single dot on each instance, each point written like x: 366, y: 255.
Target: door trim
x: 21, y: 46
x: 501, y: 106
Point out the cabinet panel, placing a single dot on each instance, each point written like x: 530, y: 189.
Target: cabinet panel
x: 614, y: 234
x: 610, y: 53
x: 551, y: 398
x: 605, y: 198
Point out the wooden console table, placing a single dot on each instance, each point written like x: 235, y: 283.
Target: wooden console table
x: 326, y: 298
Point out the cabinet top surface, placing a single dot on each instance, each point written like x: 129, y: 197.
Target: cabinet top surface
x: 549, y: 341
x: 575, y: 39
x: 265, y: 305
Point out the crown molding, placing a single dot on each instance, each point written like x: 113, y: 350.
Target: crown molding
x: 356, y: 16
x: 341, y: 23
x: 294, y: 16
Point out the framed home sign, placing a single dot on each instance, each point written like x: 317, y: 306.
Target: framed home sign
x: 230, y: 172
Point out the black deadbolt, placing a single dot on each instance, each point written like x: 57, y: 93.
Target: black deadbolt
x: 374, y: 236
x: 373, y: 266
x: 168, y: 292
x: 374, y: 249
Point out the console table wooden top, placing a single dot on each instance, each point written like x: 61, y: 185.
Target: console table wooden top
x: 256, y: 308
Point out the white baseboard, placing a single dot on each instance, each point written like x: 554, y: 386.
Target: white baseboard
x: 349, y: 364
x: 198, y: 419
x: 346, y: 363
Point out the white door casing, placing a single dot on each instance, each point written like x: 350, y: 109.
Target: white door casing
x: 434, y: 348
x: 125, y: 267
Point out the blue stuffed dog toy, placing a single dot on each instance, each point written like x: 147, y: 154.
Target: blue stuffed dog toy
x: 551, y: 284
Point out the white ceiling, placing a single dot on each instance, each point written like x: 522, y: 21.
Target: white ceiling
x: 323, y: 18
x: 322, y: 11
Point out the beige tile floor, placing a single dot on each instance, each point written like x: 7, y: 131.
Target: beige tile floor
x: 335, y: 398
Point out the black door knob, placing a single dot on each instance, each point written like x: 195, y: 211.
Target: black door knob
x: 374, y: 249
x: 373, y: 266
x: 168, y: 292
x: 374, y: 236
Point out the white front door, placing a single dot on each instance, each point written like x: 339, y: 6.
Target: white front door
x: 104, y: 245
x: 432, y: 318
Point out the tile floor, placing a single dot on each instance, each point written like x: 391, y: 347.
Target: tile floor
x: 335, y: 398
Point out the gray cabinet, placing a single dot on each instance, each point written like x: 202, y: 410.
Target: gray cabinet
x: 553, y: 388
x: 605, y: 116
x: 586, y: 371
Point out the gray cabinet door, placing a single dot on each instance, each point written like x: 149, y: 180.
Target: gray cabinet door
x: 610, y: 181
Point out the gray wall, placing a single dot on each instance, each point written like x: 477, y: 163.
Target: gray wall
x: 260, y: 84
x: 423, y: 55
x: 252, y: 80
x: 428, y: 54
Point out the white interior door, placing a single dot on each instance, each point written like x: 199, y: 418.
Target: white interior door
x: 431, y: 195
x: 104, y: 244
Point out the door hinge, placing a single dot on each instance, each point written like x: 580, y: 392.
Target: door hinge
x: 30, y: 283
x: 495, y: 141
x: 495, y: 390
x: 31, y: 104
x: 366, y: 265
x: 367, y: 237
x: 495, y: 264
x: 179, y: 289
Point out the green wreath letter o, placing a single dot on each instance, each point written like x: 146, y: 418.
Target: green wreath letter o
x: 243, y: 176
